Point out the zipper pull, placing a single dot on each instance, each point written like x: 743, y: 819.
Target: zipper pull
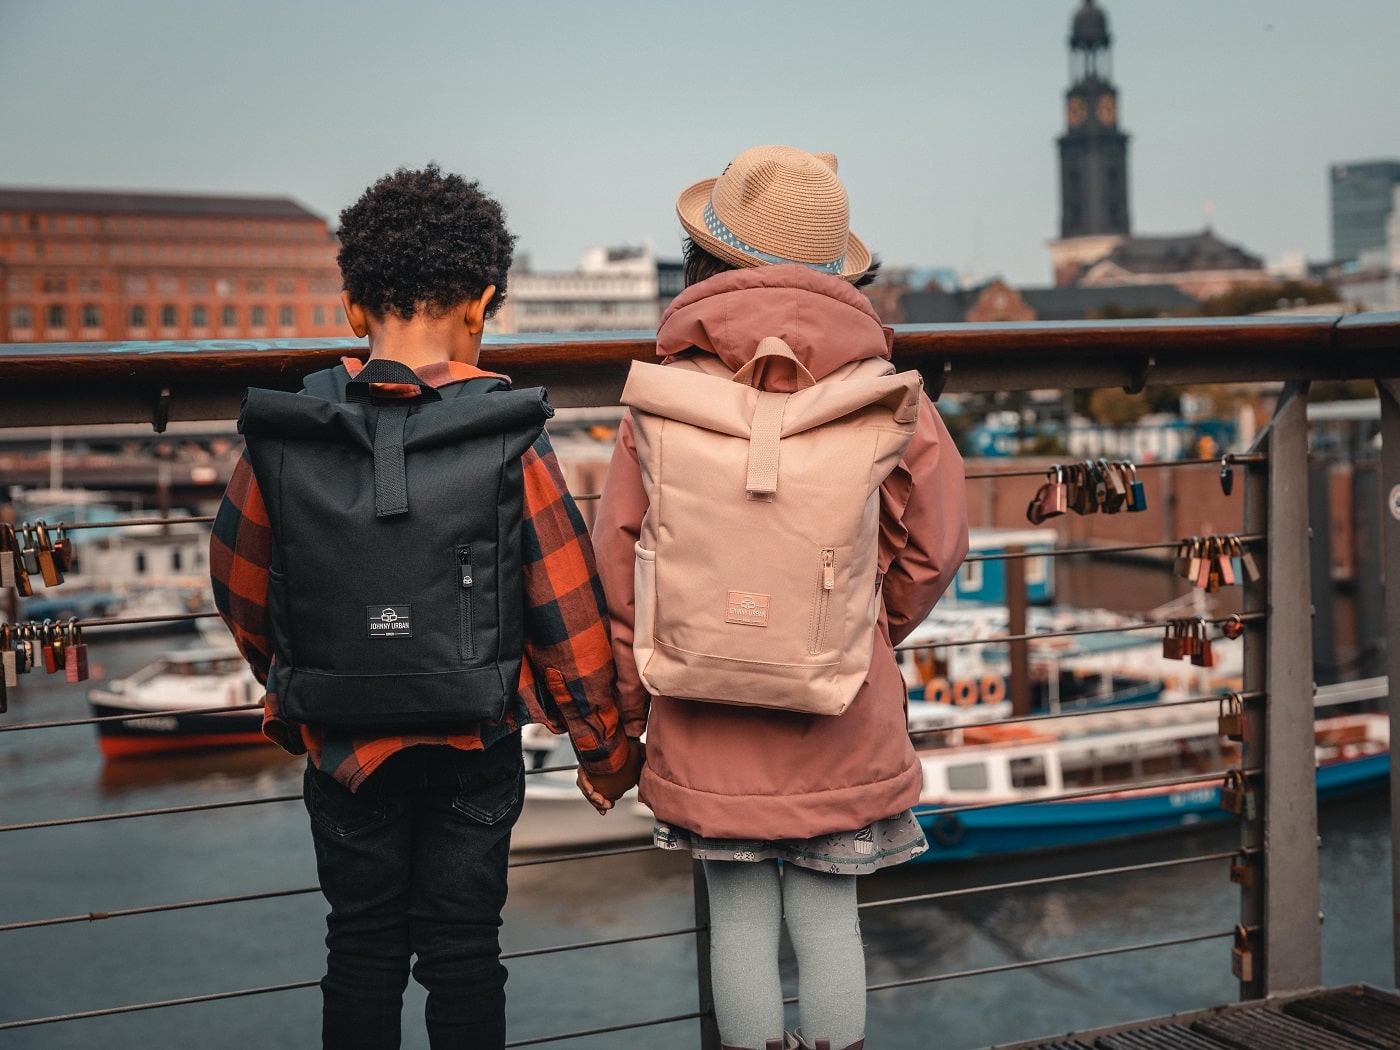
x: 828, y: 570
x: 464, y: 557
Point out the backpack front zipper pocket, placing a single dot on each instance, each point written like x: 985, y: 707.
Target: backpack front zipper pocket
x: 826, y: 583
x: 464, y: 601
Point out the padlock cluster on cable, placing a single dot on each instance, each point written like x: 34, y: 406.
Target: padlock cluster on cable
x: 1208, y: 561
x: 32, y: 551
x: 1188, y: 639
x: 1092, y: 487
x: 50, y: 646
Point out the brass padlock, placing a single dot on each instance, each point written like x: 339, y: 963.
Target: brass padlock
x: 1115, y: 491
x: 75, y: 654
x: 1171, y: 641
x: 1054, y: 502
x: 22, y: 583
x: 1137, y: 495
x: 48, y: 649
x: 1231, y: 717
x: 48, y: 558
x: 1242, y: 957
x: 1241, y: 870
x: 1251, y: 567
x: 9, y: 546
x: 1183, y: 559
x: 9, y: 661
x: 1096, y: 488
x: 24, y: 648
x: 1201, y: 655
x: 1232, y: 792
x: 29, y: 548
x: 63, y: 547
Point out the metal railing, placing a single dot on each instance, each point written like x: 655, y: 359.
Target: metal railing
x: 1279, y: 907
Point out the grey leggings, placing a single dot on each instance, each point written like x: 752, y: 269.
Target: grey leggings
x: 749, y: 901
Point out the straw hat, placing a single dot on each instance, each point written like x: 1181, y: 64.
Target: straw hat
x: 776, y: 204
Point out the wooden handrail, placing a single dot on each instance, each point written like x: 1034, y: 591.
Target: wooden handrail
x: 56, y: 383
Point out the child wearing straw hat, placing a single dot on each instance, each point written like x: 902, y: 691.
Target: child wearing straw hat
x: 785, y: 809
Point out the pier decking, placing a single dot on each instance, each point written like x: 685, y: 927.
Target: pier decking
x: 1355, y: 1018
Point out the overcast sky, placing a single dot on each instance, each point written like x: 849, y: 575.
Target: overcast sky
x: 586, y: 118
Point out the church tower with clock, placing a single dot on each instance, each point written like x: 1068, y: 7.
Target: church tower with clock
x: 1093, y: 151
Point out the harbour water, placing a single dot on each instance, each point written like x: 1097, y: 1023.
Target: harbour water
x: 74, y: 870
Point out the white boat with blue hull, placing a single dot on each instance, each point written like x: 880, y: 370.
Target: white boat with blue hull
x: 992, y: 791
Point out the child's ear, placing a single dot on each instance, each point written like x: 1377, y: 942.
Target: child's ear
x: 475, y: 313
x: 356, y: 315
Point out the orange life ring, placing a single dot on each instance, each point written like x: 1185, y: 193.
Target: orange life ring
x: 964, y: 692
x: 993, y: 689
x: 938, y: 691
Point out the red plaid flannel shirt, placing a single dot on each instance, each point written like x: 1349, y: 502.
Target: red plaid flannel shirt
x: 567, y: 680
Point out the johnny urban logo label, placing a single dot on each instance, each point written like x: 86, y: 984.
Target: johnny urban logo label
x: 390, y: 621
x: 746, y: 607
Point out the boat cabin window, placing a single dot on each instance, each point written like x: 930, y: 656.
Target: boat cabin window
x: 969, y: 777
x: 1028, y: 772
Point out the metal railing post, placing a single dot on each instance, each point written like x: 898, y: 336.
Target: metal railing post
x: 1290, y: 907
x: 1390, y: 524
x: 709, y: 1029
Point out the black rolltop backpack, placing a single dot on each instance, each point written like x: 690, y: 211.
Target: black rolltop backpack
x: 395, y: 595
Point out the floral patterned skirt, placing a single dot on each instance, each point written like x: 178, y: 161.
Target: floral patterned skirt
x: 879, y: 845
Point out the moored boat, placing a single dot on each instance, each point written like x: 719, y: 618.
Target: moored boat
x: 992, y: 790
x: 187, y: 700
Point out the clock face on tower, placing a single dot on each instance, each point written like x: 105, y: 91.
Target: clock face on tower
x: 1107, y: 109
x: 1076, y: 111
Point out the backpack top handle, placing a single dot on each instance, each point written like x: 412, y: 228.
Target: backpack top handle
x: 382, y: 370
x: 772, y: 346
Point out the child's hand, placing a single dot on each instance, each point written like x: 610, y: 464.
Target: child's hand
x: 592, y: 794
x: 603, y: 789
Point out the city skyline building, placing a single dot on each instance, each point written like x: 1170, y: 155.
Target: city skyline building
x: 613, y: 289
x: 81, y: 266
x: 1363, y: 201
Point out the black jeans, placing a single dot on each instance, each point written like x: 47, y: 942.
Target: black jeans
x: 414, y: 863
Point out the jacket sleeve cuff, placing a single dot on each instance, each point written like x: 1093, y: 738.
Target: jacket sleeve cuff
x: 609, y: 758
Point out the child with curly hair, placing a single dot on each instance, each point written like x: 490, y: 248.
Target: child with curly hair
x: 412, y: 827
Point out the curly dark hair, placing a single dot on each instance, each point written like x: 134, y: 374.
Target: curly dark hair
x: 422, y: 240
x: 700, y: 265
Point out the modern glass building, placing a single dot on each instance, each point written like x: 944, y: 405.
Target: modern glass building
x: 1363, y: 196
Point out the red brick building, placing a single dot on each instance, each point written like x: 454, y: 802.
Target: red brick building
x: 78, y: 266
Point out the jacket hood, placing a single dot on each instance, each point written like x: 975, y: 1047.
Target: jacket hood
x: 825, y: 321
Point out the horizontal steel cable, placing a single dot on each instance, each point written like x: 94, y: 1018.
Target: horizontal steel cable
x: 1140, y: 625
x: 199, y: 807
x: 1053, y: 880
x: 153, y: 909
x: 1047, y: 961
x: 1094, y: 792
x: 1234, y: 458
x: 1065, y: 552
x: 122, y: 523
x: 112, y: 1011
x: 99, y: 719
x: 1080, y: 712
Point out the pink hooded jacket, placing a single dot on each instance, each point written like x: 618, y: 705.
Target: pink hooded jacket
x: 751, y: 773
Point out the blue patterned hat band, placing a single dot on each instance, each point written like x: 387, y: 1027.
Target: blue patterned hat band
x: 721, y: 232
